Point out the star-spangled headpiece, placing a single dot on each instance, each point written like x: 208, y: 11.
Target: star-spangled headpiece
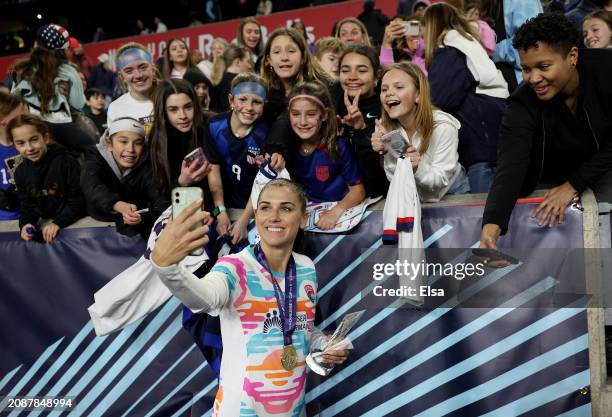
x: 52, y: 37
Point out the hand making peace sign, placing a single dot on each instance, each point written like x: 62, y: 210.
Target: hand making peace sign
x: 354, y: 117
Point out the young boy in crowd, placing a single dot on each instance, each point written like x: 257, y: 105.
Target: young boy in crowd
x: 95, y: 108
x: 118, y: 180
x: 327, y: 53
x: 47, y: 180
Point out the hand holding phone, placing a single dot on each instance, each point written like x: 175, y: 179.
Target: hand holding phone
x: 181, y: 236
x: 395, y: 143
x: 197, y: 156
x: 412, y: 28
x: 183, y: 197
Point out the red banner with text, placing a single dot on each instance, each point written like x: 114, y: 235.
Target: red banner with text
x: 317, y: 20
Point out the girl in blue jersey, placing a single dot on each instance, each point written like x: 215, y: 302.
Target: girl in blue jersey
x: 322, y: 163
x: 233, y: 143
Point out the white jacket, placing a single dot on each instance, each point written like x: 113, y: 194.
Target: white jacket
x: 490, y: 80
x: 439, y: 166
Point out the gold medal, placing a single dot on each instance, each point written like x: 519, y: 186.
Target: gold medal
x: 289, y: 358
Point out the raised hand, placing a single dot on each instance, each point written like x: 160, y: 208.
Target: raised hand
x: 394, y: 30
x: 177, y: 239
x: 376, y: 138
x: 193, y: 173
x: 354, y: 117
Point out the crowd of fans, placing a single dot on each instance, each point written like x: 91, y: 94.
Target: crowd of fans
x: 80, y: 139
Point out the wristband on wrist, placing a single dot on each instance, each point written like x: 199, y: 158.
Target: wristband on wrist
x: 218, y: 210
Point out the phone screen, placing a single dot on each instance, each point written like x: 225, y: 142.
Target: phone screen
x: 196, y: 156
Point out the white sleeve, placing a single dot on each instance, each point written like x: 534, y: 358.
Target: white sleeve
x: 132, y: 294
x: 439, y: 164
x: 207, y: 295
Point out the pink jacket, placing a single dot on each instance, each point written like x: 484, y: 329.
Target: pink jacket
x: 418, y: 56
x: 487, y: 36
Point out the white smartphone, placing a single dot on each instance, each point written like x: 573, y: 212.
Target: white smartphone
x: 412, y: 28
x: 183, y: 197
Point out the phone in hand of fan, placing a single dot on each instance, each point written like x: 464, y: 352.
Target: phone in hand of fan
x: 395, y: 143
x: 412, y: 28
x: 196, y: 155
x: 183, y: 197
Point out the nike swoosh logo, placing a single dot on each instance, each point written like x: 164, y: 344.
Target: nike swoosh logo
x: 370, y: 116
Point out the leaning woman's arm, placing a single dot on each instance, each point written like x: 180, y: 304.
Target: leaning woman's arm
x: 200, y: 295
x: 516, y: 136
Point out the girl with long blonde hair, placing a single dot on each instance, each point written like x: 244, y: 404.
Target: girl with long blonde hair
x: 352, y: 31
x: 431, y: 134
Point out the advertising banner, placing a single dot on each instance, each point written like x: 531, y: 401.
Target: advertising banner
x: 506, y: 359
x: 318, y: 21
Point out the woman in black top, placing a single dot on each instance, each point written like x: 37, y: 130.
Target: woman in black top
x: 556, y: 129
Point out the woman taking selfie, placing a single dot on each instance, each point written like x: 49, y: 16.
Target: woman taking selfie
x: 259, y: 294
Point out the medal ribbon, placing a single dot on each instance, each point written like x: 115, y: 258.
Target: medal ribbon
x: 287, y: 309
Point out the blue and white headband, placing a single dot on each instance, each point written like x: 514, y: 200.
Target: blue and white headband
x: 249, y: 87
x: 132, y: 55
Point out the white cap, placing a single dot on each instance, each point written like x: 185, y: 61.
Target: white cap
x: 125, y: 124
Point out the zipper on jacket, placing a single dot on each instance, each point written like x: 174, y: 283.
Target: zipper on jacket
x: 591, y: 127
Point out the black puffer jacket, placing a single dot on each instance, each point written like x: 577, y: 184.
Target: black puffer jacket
x: 103, y: 188
x: 50, y: 189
